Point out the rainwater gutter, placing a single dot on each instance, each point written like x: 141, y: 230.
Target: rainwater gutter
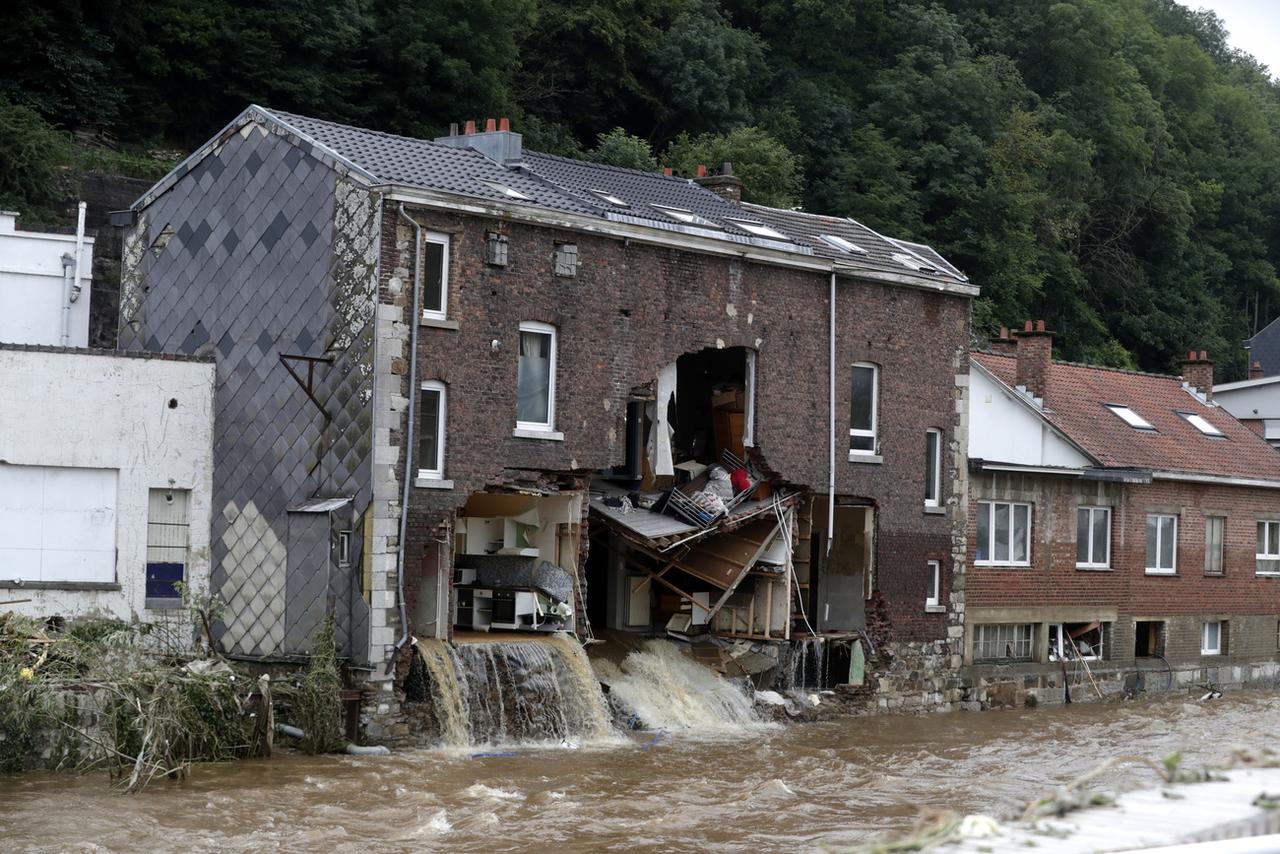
x: 408, y: 441
x: 831, y: 465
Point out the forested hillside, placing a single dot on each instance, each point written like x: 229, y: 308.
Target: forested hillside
x: 1109, y: 165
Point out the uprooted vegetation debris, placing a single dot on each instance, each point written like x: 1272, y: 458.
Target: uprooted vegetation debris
x: 124, y: 697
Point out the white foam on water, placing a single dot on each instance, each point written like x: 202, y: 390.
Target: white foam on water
x: 669, y: 690
x: 482, y: 792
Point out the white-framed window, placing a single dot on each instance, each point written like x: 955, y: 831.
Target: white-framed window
x: 1202, y: 424
x: 934, y: 597
x: 344, y: 548
x: 536, y: 377
x: 932, y: 467
x: 509, y: 192
x: 843, y: 245
x: 1003, y: 641
x: 1211, y: 638
x: 1215, y: 528
x: 1268, y: 555
x: 1093, y: 537
x: 864, y: 404
x: 435, y: 275
x: 1004, y: 534
x: 1075, y: 641
x: 431, y: 426
x: 759, y: 229
x: 1162, y: 544
x: 168, y: 538
x: 685, y: 215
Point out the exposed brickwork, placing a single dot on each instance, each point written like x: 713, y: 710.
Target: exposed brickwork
x: 630, y: 310
x: 1034, y: 350
x: 1197, y: 370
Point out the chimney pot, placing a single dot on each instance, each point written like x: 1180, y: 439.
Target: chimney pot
x: 470, y: 126
x: 1204, y: 356
x: 726, y: 168
x: 1255, y: 371
x: 504, y: 124
x: 1026, y: 326
x: 667, y: 171
x: 490, y: 125
x: 1004, y: 345
x: 453, y: 128
x: 702, y: 170
x: 1004, y: 332
x: 1191, y: 357
x: 1039, y: 326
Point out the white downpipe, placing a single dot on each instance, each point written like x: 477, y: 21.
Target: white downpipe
x: 831, y: 469
x: 408, y: 433
x: 71, y: 285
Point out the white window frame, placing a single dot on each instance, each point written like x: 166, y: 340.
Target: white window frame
x: 1222, y: 545
x: 344, y: 548
x: 1093, y: 562
x: 1269, y: 537
x: 1205, y: 649
x: 685, y: 215
x: 1059, y: 644
x: 1160, y: 570
x: 838, y: 242
x: 988, y: 507
x: 933, y: 601
x: 1126, y: 414
x: 435, y: 471
x: 759, y: 229
x: 549, y: 426
x: 984, y: 628
x: 1202, y: 424
x: 509, y: 192
x: 443, y: 240
x: 875, y: 412
x: 933, y: 436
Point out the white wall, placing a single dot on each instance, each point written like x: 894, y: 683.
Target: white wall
x: 31, y: 286
x: 1003, y: 429
x: 93, y: 411
x: 1247, y: 401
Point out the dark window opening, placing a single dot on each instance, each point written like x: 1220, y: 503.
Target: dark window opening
x: 1148, y: 639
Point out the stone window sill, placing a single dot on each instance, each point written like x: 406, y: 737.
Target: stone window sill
x: 989, y: 565
x: 1160, y: 572
x: 432, y: 483
x: 1087, y: 568
x: 1266, y: 574
x: 438, y: 323
x: 164, y: 604
x: 934, y: 510
x: 868, y: 459
x: 935, y: 609
x: 545, y: 435
x: 13, y: 584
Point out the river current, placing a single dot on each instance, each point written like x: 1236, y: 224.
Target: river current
x: 772, y: 788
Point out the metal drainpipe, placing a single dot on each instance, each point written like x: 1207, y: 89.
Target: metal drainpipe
x: 71, y: 287
x: 831, y: 480
x: 68, y: 275
x: 408, y: 442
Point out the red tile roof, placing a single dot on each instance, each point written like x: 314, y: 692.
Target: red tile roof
x: 1075, y: 403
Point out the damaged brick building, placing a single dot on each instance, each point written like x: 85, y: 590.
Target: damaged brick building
x: 467, y: 387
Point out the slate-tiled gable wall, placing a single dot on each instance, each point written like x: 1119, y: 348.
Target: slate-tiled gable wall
x: 272, y: 252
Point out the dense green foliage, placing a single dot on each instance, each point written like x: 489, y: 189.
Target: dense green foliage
x: 1109, y: 165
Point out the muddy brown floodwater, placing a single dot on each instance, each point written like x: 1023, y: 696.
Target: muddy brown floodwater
x: 774, y: 789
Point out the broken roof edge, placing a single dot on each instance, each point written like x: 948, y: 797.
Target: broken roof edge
x: 252, y: 114
x: 664, y: 544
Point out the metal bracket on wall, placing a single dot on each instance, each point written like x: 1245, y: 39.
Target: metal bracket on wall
x: 308, y: 383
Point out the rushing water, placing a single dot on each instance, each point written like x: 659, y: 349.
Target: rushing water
x: 778, y: 789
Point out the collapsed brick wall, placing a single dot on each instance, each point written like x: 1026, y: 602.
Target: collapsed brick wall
x: 630, y: 310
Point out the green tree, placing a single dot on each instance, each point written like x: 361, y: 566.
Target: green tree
x: 619, y: 148
x: 770, y: 173
x: 32, y: 154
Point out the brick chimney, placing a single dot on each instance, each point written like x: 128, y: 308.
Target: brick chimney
x: 1255, y: 371
x: 497, y: 141
x: 1197, y: 371
x: 1004, y: 345
x: 726, y: 184
x: 1034, y: 349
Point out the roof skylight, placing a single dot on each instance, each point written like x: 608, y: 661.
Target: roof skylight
x: 913, y: 262
x: 1200, y: 423
x: 842, y: 244
x: 685, y: 215
x: 509, y: 192
x: 610, y: 198
x: 1130, y: 417
x: 759, y: 229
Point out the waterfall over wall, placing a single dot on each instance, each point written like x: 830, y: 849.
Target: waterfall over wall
x: 808, y: 664
x: 541, y: 689
x: 669, y: 690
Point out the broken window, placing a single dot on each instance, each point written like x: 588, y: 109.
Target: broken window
x: 1268, y: 555
x: 431, y: 424
x: 1004, y: 534
x: 932, y: 468
x: 862, y: 409
x: 168, y: 533
x: 1076, y: 641
x: 1148, y: 638
x: 495, y: 249
x: 435, y: 275
x: 566, y: 259
x: 536, y: 377
x: 1214, y: 527
x: 1003, y: 642
x: 1162, y: 541
x: 1093, y: 537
